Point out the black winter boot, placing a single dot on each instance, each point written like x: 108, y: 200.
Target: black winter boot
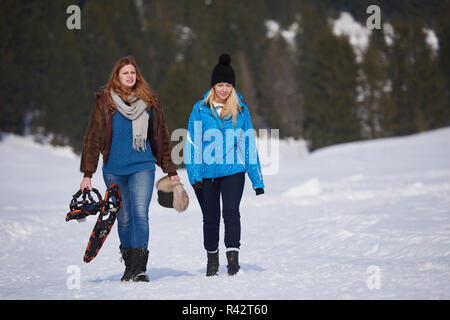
x: 126, y: 257
x: 233, y: 262
x: 212, y: 267
x: 139, y: 258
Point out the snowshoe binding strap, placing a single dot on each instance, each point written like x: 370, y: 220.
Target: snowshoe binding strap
x: 81, y: 208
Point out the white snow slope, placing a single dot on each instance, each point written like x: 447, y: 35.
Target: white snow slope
x: 365, y: 220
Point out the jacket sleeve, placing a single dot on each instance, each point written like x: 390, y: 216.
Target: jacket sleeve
x: 92, y: 141
x: 193, y: 147
x: 251, y: 153
x: 167, y: 164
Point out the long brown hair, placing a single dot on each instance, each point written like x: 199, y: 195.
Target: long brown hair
x: 140, y: 89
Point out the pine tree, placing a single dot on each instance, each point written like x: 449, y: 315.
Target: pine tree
x: 377, y: 107
x: 417, y: 82
x: 25, y: 59
x: 11, y: 81
x: 281, y: 99
x: 252, y: 45
x: 330, y: 93
x: 443, y: 58
x: 98, y: 44
x: 328, y: 80
x: 54, y: 74
x: 159, y: 39
x: 178, y: 94
x: 67, y: 101
x: 246, y: 86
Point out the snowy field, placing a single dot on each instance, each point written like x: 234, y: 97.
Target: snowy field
x: 365, y: 220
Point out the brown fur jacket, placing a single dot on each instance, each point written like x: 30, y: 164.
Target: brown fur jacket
x: 99, y: 133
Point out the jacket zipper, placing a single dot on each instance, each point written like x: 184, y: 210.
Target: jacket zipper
x: 223, y: 126
x: 215, y: 118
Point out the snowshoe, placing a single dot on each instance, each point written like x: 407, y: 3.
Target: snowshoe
x: 108, y: 214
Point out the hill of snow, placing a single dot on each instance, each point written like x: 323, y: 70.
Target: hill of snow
x: 363, y: 220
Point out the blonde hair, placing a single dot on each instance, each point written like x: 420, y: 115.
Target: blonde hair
x: 231, y: 107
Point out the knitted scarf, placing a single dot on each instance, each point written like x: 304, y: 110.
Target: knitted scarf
x: 138, y: 116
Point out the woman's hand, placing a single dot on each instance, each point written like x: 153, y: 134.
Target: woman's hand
x: 176, y: 177
x: 86, y: 183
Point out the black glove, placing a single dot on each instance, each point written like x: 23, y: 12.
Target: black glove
x: 198, y: 185
x: 259, y: 191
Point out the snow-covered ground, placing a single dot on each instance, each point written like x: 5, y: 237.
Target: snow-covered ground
x: 365, y: 220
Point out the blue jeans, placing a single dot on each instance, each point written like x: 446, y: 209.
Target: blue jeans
x: 132, y: 221
x: 231, y: 188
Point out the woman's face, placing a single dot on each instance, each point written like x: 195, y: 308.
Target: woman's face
x: 223, y: 91
x: 127, y: 76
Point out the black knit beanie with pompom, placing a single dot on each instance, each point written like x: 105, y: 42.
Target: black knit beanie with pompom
x: 223, y: 72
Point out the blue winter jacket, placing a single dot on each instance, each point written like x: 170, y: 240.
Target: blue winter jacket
x: 215, y: 148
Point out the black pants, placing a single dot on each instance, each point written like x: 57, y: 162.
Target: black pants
x: 231, y: 188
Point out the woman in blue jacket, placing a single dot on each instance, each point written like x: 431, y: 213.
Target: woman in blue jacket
x: 220, y: 147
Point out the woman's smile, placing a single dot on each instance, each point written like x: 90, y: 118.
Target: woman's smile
x: 223, y: 91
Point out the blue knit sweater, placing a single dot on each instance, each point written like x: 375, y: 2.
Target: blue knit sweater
x: 123, y: 160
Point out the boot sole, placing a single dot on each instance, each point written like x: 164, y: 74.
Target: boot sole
x: 141, y: 277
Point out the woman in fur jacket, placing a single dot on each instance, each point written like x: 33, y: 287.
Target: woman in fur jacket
x: 128, y: 127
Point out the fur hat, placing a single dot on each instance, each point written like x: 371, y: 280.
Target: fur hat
x: 171, y: 194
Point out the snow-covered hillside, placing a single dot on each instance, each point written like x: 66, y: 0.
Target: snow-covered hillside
x: 365, y: 220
